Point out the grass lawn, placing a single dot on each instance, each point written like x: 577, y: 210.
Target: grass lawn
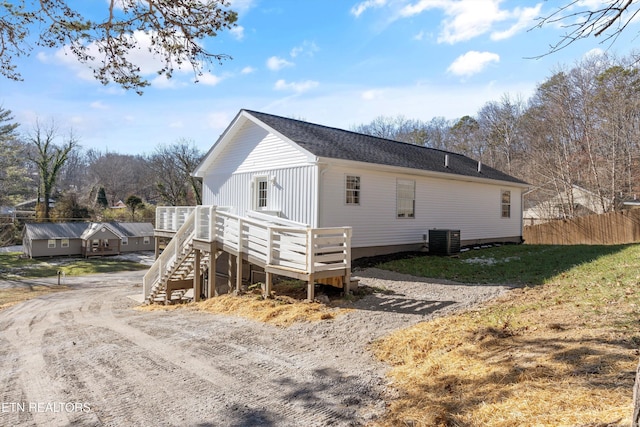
x: 560, y: 351
x: 14, y: 267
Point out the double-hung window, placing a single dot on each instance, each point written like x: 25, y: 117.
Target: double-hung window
x: 261, y: 193
x: 506, y: 204
x: 352, y: 190
x: 406, y: 198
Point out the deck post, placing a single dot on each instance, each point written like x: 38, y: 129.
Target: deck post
x: 212, y: 290
x: 347, y: 261
x: 311, y: 265
x: 197, y: 279
x: 268, y: 285
x: 238, y: 272
x: 157, y: 246
x: 311, y: 288
x: 230, y: 271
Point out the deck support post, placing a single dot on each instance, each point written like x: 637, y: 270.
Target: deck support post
x: 197, y: 277
x: 268, y: 286
x: 212, y: 290
x: 238, y: 273
x: 230, y: 272
x: 311, y: 284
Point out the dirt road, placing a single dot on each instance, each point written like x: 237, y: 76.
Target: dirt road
x: 85, y: 357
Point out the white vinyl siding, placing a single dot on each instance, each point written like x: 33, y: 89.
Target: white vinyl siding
x: 253, y: 149
x: 439, y: 203
x: 406, y: 198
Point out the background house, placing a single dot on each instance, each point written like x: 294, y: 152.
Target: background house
x: 545, y: 204
x: 86, y: 239
x: 390, y: 193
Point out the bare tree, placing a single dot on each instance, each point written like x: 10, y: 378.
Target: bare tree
x: 49, y: 159
x: 607, y: 19
x: 172, y: 166
x: 174, y: 31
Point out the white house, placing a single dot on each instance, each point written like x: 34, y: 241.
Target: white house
x: 390, y: 193
x: 302, y: 200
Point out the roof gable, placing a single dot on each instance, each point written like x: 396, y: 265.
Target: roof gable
x: 235, y: 129
x: 323, y: 141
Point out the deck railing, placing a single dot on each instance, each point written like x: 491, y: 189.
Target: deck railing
x: 264, y: 239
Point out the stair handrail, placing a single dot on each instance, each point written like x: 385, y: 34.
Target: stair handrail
x: 170, y: 253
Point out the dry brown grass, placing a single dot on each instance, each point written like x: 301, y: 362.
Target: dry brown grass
x: 13, y: 296
x: 532, y: 358
x: 284, y: 309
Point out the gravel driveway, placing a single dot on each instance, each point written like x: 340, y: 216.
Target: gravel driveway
x: 86, y: 357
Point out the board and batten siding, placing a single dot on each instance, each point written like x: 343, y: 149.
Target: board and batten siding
x: 291, y: 192
x: 474, y: 208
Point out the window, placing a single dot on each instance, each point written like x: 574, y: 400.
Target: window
x: 406, y: 198
x: 64, y: 243
x: 51, y: 243
x: 352, y: 190
x: 147, y: 240
x: 506, y: 204
x: 261, y: 192
x: 125, y: 241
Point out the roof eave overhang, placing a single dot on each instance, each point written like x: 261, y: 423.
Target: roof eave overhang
x: 421, y: 172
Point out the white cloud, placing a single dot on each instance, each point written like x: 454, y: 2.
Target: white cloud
x: 248, y: 70
x: 307, y: 47
x: 369, y: 95
x: 99, y: 105
x: 274, y: 63
x: 472, y: 62
x: 467, y: 19
x: 419, y: 36
x: 242, y: 5
x: 209, y: 79
x: 359, y: 8
x: 298, y: 87
x: 525, y: 19
x: 237, y: 32
x: 178, y: 124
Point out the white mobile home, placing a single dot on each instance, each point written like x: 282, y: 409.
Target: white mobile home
x: 390, y: 193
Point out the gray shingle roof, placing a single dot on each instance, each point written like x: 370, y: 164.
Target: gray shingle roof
x: 75, y: 230
x: 324, y: 141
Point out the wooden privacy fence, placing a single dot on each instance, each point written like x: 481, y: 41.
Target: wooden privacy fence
x: 612, y: 228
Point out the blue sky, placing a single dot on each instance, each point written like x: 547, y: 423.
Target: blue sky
x: 337, y: 63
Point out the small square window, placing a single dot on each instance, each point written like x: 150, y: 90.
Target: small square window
x: 51, y: 243
x: 125, y: 241
x: 64, y: 243
x: 147, y: 240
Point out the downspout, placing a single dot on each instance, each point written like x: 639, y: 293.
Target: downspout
x: 321, y: 169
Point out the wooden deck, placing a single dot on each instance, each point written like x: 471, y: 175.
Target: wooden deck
x: 280, y: 247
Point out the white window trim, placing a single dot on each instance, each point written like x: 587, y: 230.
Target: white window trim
x: 51, y: 243
x: 256, y: 193
x: 413, y: 199
x: 502, y: 204
x: 64, y: 243
x: 355, y: 191
x: 146, y: 240
x: 125, y: 241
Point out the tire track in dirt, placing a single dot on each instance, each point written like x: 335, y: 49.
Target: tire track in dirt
x: 222, y: 375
